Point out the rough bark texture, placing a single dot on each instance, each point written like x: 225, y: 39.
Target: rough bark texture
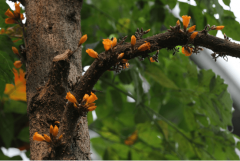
x: 52, y: 28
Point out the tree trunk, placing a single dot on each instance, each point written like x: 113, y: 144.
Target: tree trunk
x: 53, y: 27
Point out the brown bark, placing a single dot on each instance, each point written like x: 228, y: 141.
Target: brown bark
x: 52, y: 28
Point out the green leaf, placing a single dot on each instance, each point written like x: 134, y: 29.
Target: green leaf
x: 149, y: 135
x: 7, y: 123
x: 226, y: 2
x: 125, y: 77
x: 116, y: 100
x: 156, y: 74
x: 15, y: 106
x: 24, y: 135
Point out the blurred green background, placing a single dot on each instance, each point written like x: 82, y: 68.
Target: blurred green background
x: 166, y: 110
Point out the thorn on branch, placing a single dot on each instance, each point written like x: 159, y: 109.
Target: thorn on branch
x: 123, y: 40
x: 216, y: 55
x: 226, y: 38
x: 140, y: 33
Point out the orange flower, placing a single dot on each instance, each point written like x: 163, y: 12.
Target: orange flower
x: 92, y: 53
x: 126, y: 65
x: 131, y: 139
x: 148, y: 30
x: 15, y: 50
x: 145, y: 46
x: 219, y: 27
x: 38, y: 137
x: 51, y: 129
x: 17, y: 92
x: 2, y: 31
x: 120, y: 56
x: 133, y: 40
x: 47, y: 138
x: 186, y: 52
x: 152, y: 60
x: 17, y: 10
x: 178, y: 23
x: 71, y: 98
x: 107, y: 44
x: 92, y: 98
x: 60, y: 137
x: 124, y: 61
x: 10, y: 21
x: 55, y: 131
x: 114, y: 42
x: 191, y: 29
x: 21, y: 16
x: 82, y: 40
x: 85, y: 97
x: 186, y: 20
x: 17, y: 64
x: 92, y: 108
x: 9, y: 14
x: 193, y: 35
x: 91, y: 104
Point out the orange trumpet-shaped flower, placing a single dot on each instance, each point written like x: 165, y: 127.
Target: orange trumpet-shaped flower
x: 120, y: 56
x: 17, y: 92
x: 132, y: 138
x: 193, y: 35
x: 2, y: 31
x: 17, y: 10
x: 60, y: 137
x: 38, y: 137
x: 92, y: 98
x: 9, y: 14
x: 186, y: 20
x: 51, y: 129
x: 92, y: 108
x: 17, y: 64
x: 85, y: 97
x: 92, y: 53
x: 47, y: 138
x: 71, y: 98
x: 10, y: 21
x: 219, y: 27
x: 21, y: 16
x: 55, y: 131
x: 152, y: 60
x: 126, y: 65
x: 114, y: 42
x: 133, y: 40
x: 124, y: 61
x: 186, y: 52
x: 107, y: 43
x: 191, y: 29
x: 82, y: 40
x: 15, y: 50
x: 145, y: 46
